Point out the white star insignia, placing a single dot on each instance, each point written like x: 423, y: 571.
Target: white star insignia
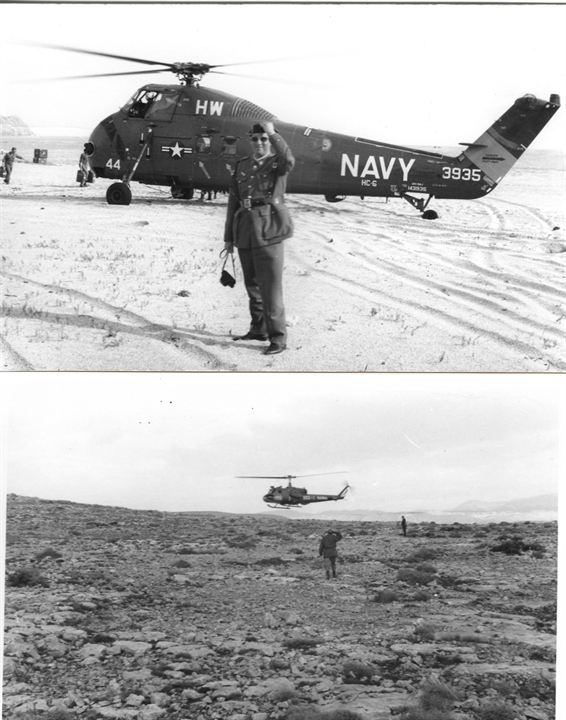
x: 176, y: 150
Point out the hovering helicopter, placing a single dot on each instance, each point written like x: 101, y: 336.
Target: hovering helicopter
x: 189, y: 137
x: 284, y: 497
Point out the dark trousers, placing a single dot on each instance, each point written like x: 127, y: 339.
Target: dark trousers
x: 7, y: 173
x: 330, y: 566
x: 263, y: 278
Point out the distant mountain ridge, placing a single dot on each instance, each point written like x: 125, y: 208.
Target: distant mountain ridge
x: 530, y: 504
x: 12, y: 126
x: 540, y: 508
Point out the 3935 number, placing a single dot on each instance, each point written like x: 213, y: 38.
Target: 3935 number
x: 456, y: 173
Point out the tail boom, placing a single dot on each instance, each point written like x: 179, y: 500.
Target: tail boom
x: 496, y: 151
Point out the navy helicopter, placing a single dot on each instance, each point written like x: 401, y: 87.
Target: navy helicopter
x: 286, y: 496
x: 189, y: 137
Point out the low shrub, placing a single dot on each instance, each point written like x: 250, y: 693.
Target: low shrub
x: 422, y: 554
x: 270, y: 561
x: 421, y: 596
x: 414, y: 577
x: 280, y: 694
x: 437, y: 696
x: 448, y: 581
x: 182, y: 564
x: 496, y: 711
x: 426, y: 568
x: 385, y: 596
x: 426, y: 631
x: 511, y: 546
x: 48, y: 553
x: 354, y: 671
x: 300, y: 643
x: 27, y: 577
x: 462, y: 637
x: 306, y: 712
x: 241, y: 542
x: 419, y: 713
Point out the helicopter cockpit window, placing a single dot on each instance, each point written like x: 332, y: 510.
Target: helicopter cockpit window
x: 203, y: 144
x: 163, y: 105
x: 142, y: 101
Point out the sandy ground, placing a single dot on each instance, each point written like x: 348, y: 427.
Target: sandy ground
x: 369, y: 285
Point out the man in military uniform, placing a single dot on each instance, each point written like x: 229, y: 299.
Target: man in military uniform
x: 257, y: 222
x: 84, y: 166
x: 8, y: 160
x: 327, y: 549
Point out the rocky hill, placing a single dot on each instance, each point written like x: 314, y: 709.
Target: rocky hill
x: 13, y: 126
x: 117, y: 613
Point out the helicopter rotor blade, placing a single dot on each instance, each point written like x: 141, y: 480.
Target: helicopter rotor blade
x: 67, y: 48
x: 332, y: 472
x: 268, y: 477
x: 98, y: 75
x: 260, y: 77
x: 292, y: 477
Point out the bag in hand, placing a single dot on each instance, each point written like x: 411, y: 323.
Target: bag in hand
x: 225, y: 278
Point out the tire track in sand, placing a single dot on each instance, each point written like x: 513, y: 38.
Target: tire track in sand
x: 118, y: 320
x: 467, y: 301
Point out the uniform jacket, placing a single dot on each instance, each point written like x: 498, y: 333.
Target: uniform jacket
x: 262, y: 186
x: 10, y: 157
x: 328, y: 544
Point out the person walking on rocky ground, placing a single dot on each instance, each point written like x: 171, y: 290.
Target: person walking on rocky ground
x: 8, y: 160
x: 328, y: 551
x: 404, y: 525
x: 257, y: 222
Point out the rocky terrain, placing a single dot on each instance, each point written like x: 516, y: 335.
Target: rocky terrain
x: 117, y: 613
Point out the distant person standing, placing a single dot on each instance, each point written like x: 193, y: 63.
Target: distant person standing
x: 9, y: 159
x: 84, y: 167
x: 328, y: 551
x: 404, y: 525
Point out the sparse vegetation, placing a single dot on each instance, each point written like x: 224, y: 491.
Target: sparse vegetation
x: 123, y: 622
x: 241, y: 541
x: 300, y: 643
x: 496, y: 711
x: 27, y: 577
x: 437, y: 696
x: 421, y: 555
x: 357, y: 672
x: 313, y: 713
x: 386, y: 596
x: 426, y: 631
x: 414, y: 577
x: 48, y: 553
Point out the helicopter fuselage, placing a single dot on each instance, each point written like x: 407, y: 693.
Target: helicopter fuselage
x: 292, y: 495
x: 189, y: 137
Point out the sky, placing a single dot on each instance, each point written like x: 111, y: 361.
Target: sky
x: 414, y: 75
x: 176, y: 442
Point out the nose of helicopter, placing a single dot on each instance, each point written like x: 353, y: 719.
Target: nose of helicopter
x: 99, y: 147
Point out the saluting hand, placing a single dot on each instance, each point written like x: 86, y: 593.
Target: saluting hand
x: 269, y: 127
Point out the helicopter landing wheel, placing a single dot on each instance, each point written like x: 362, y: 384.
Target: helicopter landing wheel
x: 118, y: 194
x: 429, y: 215
x: 180, y: 192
